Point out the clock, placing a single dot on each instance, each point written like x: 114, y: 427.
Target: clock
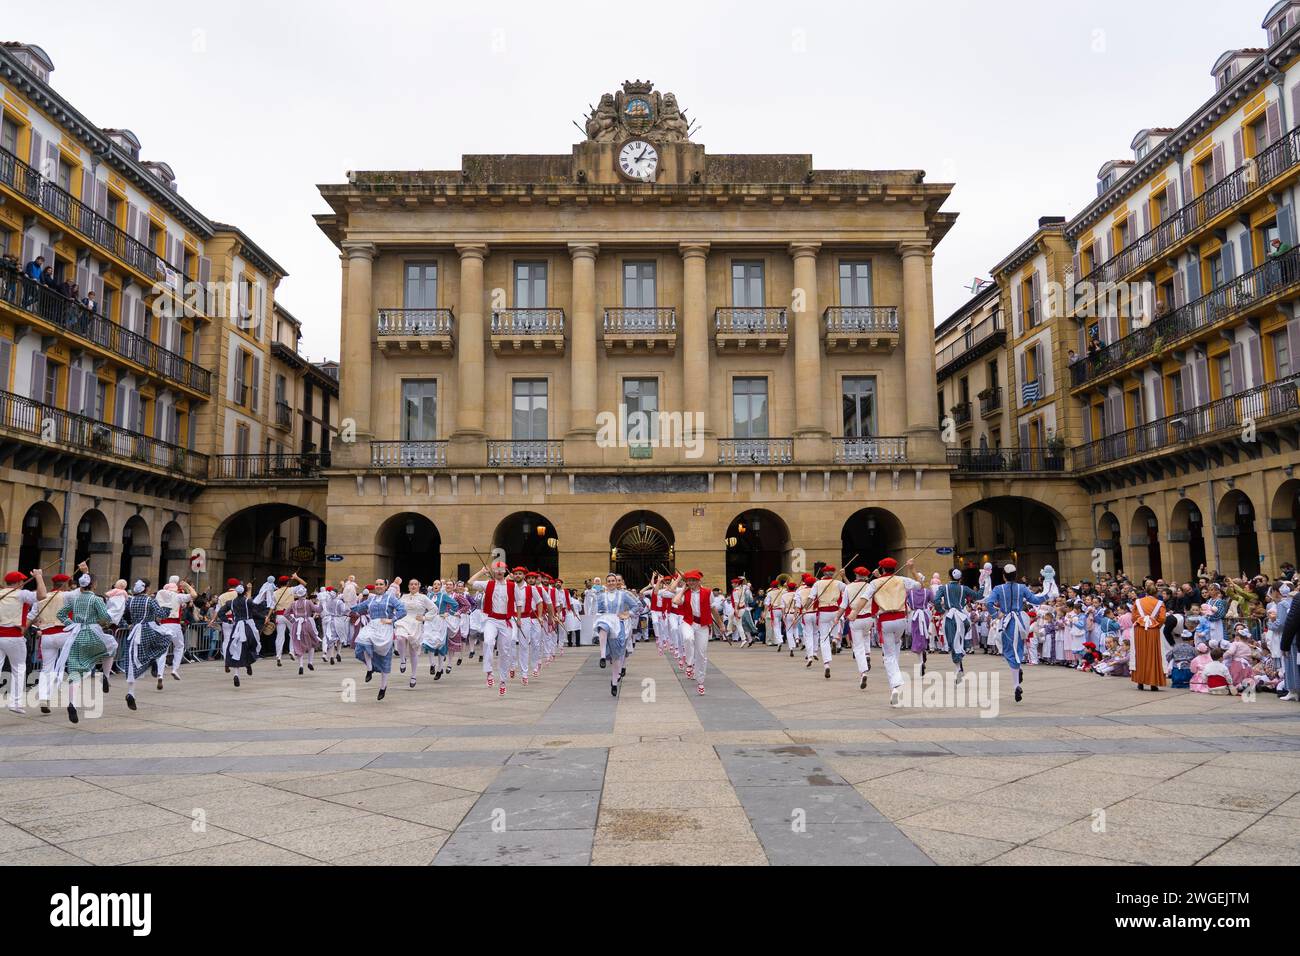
x: 637, y: 160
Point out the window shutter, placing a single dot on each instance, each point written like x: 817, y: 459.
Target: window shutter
x: 83, y: 281
x: 29, y: 249
x: 1087, y: 424
x: 1286, y: 224
x: 138, y: 418
x: 1019, y: 308
x: 1247, y: 262
x: 159, y: 419
x: 1035, y: 293
x: 1274, y: 123
x: 1236, y: 358
x: 1075, y: 264
x: 1188, y: 387
x: 1229, y: 262
x: 51, y: 168
x: 1193, y: 281
x: 256, y: 383
x: 1293, y: 340
x: 1180, y: 296
x: 1295, y: 105
x: 119, y: 406
x: 1146, y: 218
x: 74, y: 390
x: 101, y: 198
x: 1158, y: 397
x: 48, y: 253
x: 1220, y: 172
x: 37, y: 151
x: 194, y: 344
x: 6, y: 358
x: 1024, y: 377
x: 132, y: 220
x: 1189, y: 192
x: 1202, y: 366
x: 38, y: 377
x: 1254, y: 349
x: 97, y: 286
x: 1172, y: 191
x: 1024, y: 436
x: 1237, y: 155
x: 189, y: 440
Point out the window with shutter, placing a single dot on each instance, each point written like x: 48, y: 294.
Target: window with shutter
x: 6, y: 358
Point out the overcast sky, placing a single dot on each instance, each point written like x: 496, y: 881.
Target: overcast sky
x: 1017, y: 102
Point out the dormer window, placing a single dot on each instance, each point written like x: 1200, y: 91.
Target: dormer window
x: 1142, y: 150
x: 1225, y: 75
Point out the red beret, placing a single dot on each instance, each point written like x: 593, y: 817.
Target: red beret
x: 282, y: 579
x: 808, y: 578
x: 232, y: 582
x: 15, y: 577
x: 519, y: 569
x: 60, y: 578
x: 329, y: 587
x: 792, y: 585
x: 861, y: 571
x: 888, y: 564
x: 829, y: 569
x: 692, y: 576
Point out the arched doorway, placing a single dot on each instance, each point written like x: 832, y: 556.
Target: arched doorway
x: 1007, y: 529
x: 640, y: 544
x: 529, y: 539
x: 93, y: 545
x: 1108, y: 540
x: 269, y: 540
x: 135, y: 549
x: 1236, y: 519
x: 407, y: 546
x: 872, y: 534
x: 1144, y: 534
x: 1186, y: 528
x: 1284, y: 522
x: 757, y: 543
x: 173, y: 557
x: 40, y: 536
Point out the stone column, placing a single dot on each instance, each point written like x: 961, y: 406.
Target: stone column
x: 467, y: 439
x: 694, y: 344
x: 811, y: 438
x: 355, y: 350
x: 923, y: 442
x: 579, y: 442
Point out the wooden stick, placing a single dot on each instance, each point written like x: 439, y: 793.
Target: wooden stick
x: 19, y: 587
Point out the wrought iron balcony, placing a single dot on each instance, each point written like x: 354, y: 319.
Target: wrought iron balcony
x: 273, y: 467
x: 858, y: 328
x: 961, y: 414
x: 991, y: 403
x: 982, y: 337
x: 415, y: 328
x: 421, y: 455
x: 76, y: 320
x: 755, y: 451
x: 55, y: 430
x: 514, y: 330
x: 743, y: 328
x: 1208, y: 424
x: 283, y: 415
x: 1007, y: 460
x: 525, y: 454
x: 72, y: 212
x: 1189, y: 218
x: 874, y: 450
x: 1243, y: 292
x: 634, y: 328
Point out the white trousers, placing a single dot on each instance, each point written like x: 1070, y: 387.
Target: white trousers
x: 860, y: 629
x: 825, y: 620
x: 177, y: 635
x: 790, y: 624
x: 892, y: 636
x: 495, y: 631
x: 530, y: 643
x: 14, y: 650
x: 51, y: 648
x: 281, y: 634
x: 697, y: 649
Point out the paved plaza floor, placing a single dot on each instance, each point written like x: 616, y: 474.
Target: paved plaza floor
x: 775, y: 765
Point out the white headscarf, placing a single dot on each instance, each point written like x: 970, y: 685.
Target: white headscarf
x: 137, y: 588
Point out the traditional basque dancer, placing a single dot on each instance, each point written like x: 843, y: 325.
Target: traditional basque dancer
x: 951, y: 600
x: 568, y: 616
x: 696, y: 603
x: 469, y: 623
x: 986, y: 581
x: 15, y: 605
x: 827, y: 594
x: 855, y: 605
x: 1050, y: 587
x: 1148, y: 625
x: 603, y: 599
x: 617, y: 612
x: 552, y: 622
x: 173, y: 597
x: 374, y: 642
x: 84, y: 614
x: 441, y: 623
x: 243, y: 640
x: 807, y: 618
x: 224, y: 598
x: 920, y: 623
x: 350, y: 594
x: 146, y: 641
x: 889, y: 593
x: 46, y: 618
x: 300, y: 618
x: 790, y: 611
x: 674, y: 627
x: 333, y: 623
x: 1011, y: 598
x: 501, y: 615
x: 533, y: 614
x: 277, y: 605
x: 409, y: 631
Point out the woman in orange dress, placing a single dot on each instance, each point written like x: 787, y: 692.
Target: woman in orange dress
x: 1148, y: 621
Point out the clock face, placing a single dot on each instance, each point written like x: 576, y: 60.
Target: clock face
x: 637, y: 159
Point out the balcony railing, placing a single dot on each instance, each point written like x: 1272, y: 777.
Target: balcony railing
x: 876, y: 450
x: 53, y: 427
x: 408, y: 454
x: 961, y: 413
x: 768, y: 320
x: 273, y: 467
x: 414, y: 322
x: 1191, y: 216
x: 74, y: 318
x: 997, y: 460
x: 988, y: 333
x: 1205, y: 423
x: 990, y: 403
x: 528, y: 322
x: 863, y: 319
x: 1239, y: 293
x: 525, y: 454
x: 755, y: 451
x: 72, y: 212
x: 636, y: 321
x: 283, y: 414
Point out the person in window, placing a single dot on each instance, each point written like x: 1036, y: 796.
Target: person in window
x: 32, y: 280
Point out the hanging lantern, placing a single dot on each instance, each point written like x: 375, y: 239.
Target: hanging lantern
x: 731, y: 542
x: 553, y: 543
x: 613, y: 554
x: 740, y: 527
x: 541, y: 531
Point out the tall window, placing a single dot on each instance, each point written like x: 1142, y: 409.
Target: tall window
x: 639, y: 293
x: 1283, y: 363
x: 530, y: 285
x: 1176, y: 390
x: 749, y: 407
x: 50, y: 385
x: 241, y: 439
x: 9, y: 136
x: 419, y: 410
x: 641, y: 400
x: 855, y: 283
x: 859, y: 406
x: 747, y: 294
x: 528, y: 418
x: 993, y: 375
x: 1223, y: 366
x: 421, y: 290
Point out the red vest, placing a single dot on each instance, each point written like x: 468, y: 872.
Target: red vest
x: 706, y: 606
x: 510, y: 600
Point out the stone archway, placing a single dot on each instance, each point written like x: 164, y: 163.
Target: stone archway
x: 871, y: 534
x: 757, y: 543
x: 409, y: 545
x: 1234, y: 518
x: 40, y: 541
x: 134, y: 560
x: 94, y: 544
x: 641, y: 543
x: 529, y: 539
x: 1186, y: 540
x: 1108, y: 540
x: 262, y: 541
x: 1284, y: 523
x: 173, y: 555
x: 1008, y: 529
x: 1144, y: 544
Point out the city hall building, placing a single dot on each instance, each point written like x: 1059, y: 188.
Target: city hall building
x: 636, y: 354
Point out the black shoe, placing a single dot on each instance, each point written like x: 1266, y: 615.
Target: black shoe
x: 278, y: 662
x: 299, y: 670
x: 430, y: 670
x: 45, y: 708
x: 868, y: 665
x: 309, y: 667
x: 72, y: 714
x: 438, y: 676
x: 622, y: 673
x: 828, y: 673
x: 808, y: 663
x: 602, y: 662
x: 792, y: 653
x: 401, y: 667
x: 236, y: 680
x: 862, y: 684
x: 227, y: 668
x: 381, y: 693
x: 160, y: 683
x: 613, y: 690
x: 104, y: 683
x: 458, y: 662
x: 130, y: 701
x: 250, y: 670
x: 1019, y: 694
x: 471, y: 656
x: 369, y: 674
